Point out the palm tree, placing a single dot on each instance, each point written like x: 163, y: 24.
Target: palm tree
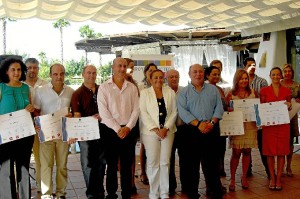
x: 4, y: 23
x: 60, y: 24
x: 86, y: 32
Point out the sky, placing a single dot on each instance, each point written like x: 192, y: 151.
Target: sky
x: 32, y: 36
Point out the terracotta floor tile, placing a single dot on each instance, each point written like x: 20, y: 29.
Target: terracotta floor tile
x: 258, y: 183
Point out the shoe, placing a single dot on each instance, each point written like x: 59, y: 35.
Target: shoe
x: 111, y: 196
x: 272, y: 186
x: 232, y: 187
x: 224, y: 189
x: 249, y: 174
x: 144, y: 179
x: 223, y: 174
x: 278, y: 187
x: 172, y: 192
x: 289, y: 174
x: 133, y: 190
x: 244, y: 183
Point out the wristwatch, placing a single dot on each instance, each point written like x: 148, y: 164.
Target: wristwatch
x: 212, y: 122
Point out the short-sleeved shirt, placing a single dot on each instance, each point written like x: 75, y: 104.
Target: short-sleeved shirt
x: 48, y: 101
x: 13, y: 98
x: 84, y: 101
x: 258, y: 83
x: 39, y: 83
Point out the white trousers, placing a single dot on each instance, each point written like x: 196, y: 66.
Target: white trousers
x: 158, y: 162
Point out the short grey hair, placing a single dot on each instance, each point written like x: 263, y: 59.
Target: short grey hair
x: 32, y: 60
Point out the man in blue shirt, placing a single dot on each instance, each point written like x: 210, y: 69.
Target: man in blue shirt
x: 200, y: 107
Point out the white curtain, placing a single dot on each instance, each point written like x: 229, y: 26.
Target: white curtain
x: 188, y: 55
x: 226, y: 55
x: 184, y: 57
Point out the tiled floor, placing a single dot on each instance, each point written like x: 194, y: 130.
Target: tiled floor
x: 258, y: 188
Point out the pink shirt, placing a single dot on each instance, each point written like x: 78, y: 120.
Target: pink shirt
x: 118, y: 107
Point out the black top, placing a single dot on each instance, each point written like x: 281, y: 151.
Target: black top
x: 162, y: 112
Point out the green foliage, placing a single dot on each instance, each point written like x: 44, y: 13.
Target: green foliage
x: 105, y: 72
x: 74, y: 70
x: 61, y: 23
x: 87, y: 32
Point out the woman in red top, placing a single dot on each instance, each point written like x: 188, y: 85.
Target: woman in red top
x: 276, y: 138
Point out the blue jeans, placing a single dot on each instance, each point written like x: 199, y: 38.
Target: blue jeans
x: 93, y: 167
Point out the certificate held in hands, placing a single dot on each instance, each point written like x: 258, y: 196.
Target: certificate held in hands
x: 51, y: 125
x: 232, y: 123
x: 272, y: 113
x: 15, y: 125
x: 82, y: 129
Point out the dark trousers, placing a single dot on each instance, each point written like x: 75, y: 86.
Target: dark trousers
x: 172, y: 176
x: 115, y: 149
x: 93, y: 167
x: 263, y: 157
x: 15, y: 153
x: 220, y: 151
x: 195, y: 147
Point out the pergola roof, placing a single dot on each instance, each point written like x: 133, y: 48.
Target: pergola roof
x: 103, y: 45
x: 250, y: 16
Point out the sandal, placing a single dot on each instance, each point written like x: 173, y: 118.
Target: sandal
x: 278, y: 187
x: 144, y: 179
x: 289, y: 174
x: 272, y: 186
x: 244, y: 183
x: 232, y: 187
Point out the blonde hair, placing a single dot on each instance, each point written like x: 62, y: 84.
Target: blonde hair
x: 237, y: 77
x: 289, y: 66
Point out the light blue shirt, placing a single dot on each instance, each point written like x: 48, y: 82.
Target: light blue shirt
x: 202, y: 105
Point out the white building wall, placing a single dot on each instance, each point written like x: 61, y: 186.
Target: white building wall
x: 275, y: 51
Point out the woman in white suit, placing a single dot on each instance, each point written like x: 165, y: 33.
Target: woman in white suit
x: 158, y: 115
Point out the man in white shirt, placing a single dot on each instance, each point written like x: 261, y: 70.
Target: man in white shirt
x: 49, y: 99
x: 118, y: 104
x: 172, y: 77
x: 34, y: 82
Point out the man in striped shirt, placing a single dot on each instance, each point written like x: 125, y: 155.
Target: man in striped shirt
x: 256, y: 83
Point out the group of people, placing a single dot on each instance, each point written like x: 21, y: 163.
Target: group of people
x: 164, y: 118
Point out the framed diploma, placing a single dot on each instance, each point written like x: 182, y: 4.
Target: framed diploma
x: 51, y: 125
x: 15, y: 126
x: 82, y: 129
x: 232, y: 123
x: 247, y: 108
x: 272, y: 113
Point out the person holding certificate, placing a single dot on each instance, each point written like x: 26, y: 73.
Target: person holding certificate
x: 50, y: 98
x: 158, y: 114
x: 84, y: 104
x: 14, y: 96
x: 241, y: 144
x: 276, y: 138
x: 287, y: 81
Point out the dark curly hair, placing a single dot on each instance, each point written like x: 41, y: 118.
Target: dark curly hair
x: 5, y: 66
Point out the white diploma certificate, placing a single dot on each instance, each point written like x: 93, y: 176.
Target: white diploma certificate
x: 247, y: 107
x: 272, y: 113
x: 295, y: 108
x: 15, y: 125
x: 232, y: 123
x: 82, y: 129
x: 51, y: 125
